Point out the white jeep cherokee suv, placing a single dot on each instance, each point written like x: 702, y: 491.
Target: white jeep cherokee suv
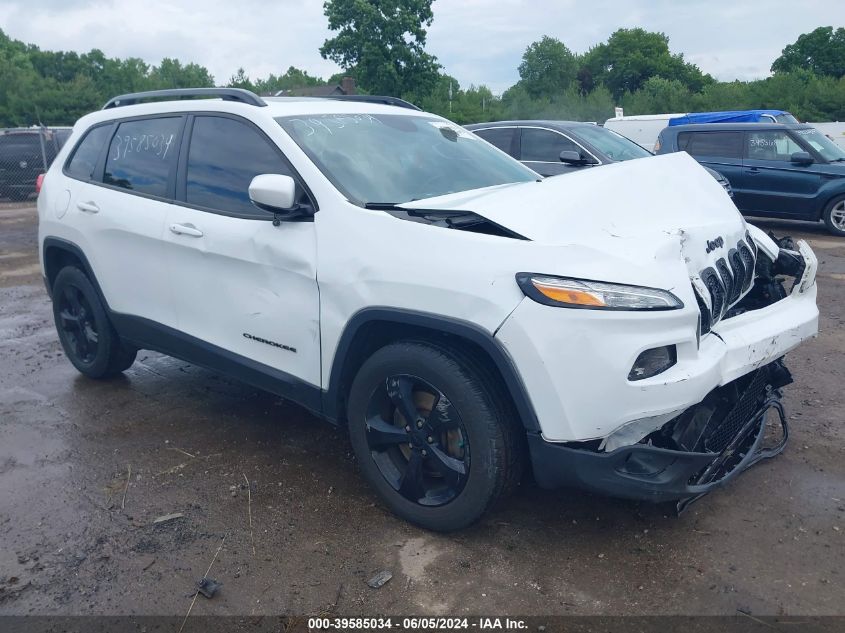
x: 620, y: 329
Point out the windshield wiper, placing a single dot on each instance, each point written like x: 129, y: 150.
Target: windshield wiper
x: 440, y: 214
x: 449, y: 218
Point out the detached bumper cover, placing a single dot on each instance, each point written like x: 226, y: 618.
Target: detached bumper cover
x: 646, y: 472
x: 556, y: 466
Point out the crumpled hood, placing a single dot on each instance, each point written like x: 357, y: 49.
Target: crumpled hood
x: 640, y: 210
x: 626, y: 199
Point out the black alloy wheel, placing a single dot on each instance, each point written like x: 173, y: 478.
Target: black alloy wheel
x: 77, y: 325
x: 433, y: 435
x: 417, y: 440
x: 85, y: 332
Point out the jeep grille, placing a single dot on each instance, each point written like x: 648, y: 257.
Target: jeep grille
x: 726, y: 283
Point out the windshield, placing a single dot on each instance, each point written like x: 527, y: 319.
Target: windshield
x: 785, y: 118
x: 609, y: 142
x: 396, y: 158
x: 829, y: 150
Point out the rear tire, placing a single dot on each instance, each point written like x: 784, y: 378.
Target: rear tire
x: 443, y: 469
x: 834, y: 216
x: 85, y: 332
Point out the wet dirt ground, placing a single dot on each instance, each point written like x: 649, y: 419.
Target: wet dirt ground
x: 86, y: 467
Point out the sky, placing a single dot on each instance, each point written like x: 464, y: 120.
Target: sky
x: 476, y: 41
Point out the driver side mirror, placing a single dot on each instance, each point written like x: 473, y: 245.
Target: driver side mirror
x: 801, y: 158
x: 571, y: 157
x: 276, y: 194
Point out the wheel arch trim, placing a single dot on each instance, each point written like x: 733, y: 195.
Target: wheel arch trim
x: 458, y: 328
x: 830, y: 199
x: 57, y: 243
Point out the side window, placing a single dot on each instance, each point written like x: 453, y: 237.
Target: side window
x: 84, y: 160
x: 225, y: 155
x: 775, y: 145
x: 501, y: 137
x: 721, y: 144
x: 544, y: 145
x: 142, y: 155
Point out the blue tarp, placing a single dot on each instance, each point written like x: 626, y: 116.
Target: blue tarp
x: 734, y: 116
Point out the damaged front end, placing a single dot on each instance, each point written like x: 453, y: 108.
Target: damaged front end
x: 708, y: 444
x: 701, y: 449
x: 730, y: 426
x: 774, y: 279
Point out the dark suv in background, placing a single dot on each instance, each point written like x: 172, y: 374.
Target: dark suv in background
x: 552, y: 148
x: 790, y: 171
x: 24, y: 154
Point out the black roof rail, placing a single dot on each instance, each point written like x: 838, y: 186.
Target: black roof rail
x: 227, y: 94
x: 391, y: 101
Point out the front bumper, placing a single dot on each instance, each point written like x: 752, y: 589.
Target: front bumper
x: 651, y: 473
x: 575, y: 363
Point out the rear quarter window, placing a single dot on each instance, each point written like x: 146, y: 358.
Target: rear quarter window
x: 84, y: 159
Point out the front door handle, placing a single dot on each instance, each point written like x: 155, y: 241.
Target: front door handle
x: 752, y: 170
x: 88, y: 207
x: 185, y: 229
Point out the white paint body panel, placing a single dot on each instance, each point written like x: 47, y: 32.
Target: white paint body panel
x: 575, y: 365
x: 248, y: 277
x: 645, y: 222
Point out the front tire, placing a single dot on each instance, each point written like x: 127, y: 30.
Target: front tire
x: 85, y: 332
x: 834, y: 216
x: 430, y: 436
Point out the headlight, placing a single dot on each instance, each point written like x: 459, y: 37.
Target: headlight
x: 596, y: 295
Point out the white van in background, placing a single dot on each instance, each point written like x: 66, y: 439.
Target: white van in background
x: 834, y: 130
x: 643, y: 129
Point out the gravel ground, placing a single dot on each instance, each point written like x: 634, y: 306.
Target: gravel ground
x: 86, y: 467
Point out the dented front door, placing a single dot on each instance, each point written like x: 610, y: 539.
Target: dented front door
x: 248, y: 287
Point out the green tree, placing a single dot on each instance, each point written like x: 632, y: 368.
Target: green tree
x: 384, y: 42
x: 292, y: 78
x: 569, y: 105
x: 547, y: 67
x: 476, y: 104
x: 632, y: 56
x: 170, y: 73
x: 240, y: 80
x: 659, y: 95
x: 821, y: 51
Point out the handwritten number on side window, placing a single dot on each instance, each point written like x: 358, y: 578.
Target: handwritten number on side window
x: 157, y: 145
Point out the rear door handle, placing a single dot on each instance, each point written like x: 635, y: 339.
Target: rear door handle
x: 752, y: 170
x: 185, y: 229
x: 88, y: 207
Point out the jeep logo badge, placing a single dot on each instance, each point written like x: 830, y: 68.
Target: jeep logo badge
x: 712, y: 245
